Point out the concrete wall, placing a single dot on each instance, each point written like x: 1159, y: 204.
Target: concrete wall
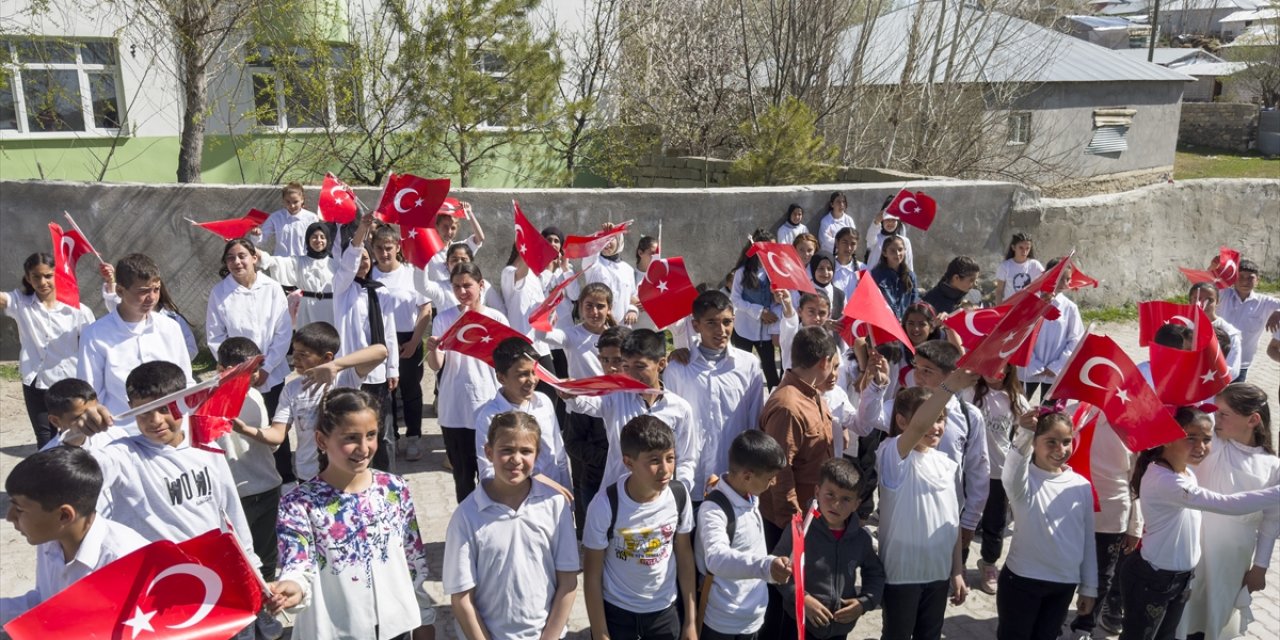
x: 1232, y: 126
x: 687, y: 172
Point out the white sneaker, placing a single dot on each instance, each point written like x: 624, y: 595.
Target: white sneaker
x: 413, y: 451
x: 989, y: 577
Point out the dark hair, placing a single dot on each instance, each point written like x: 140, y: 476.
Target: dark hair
x: 1053, y: 262
x: 810, y: 298
x: 382, y: 234
x: 756, y: 451
x: 904, y: 274
x: 1047, y: 420
x: 135, y: 268
x: 236, y: 351
x: 818, y: 257
x: 930, y: 315
x: 34, y: 260
x: 510, y: 351
x: 1173, y: 335
x: 646, y: 243
x: 318, y: 337
x: 466, y: 269
x: 459, y: 246
x: 811, y: 346
x: 153, y: 380
x: 1012, y: 387
x: 645, y: 343
x: 552, y: 230
x: 514, y: 421
x: 1246, y: 399
x: 842, y: 473
x: 750, y: 265
x: 940, y: 352
x: 711, y: 302
x: 1020, y: 237
x: 61, y: 396
x: 962, y: 266
x: 613, y: 337
x: 1248, y: 265
x: 223, y: 271
x: 1185, y: 417
x: 906, y: 402
x: 165, y: 301
x: 847, y: 231
x: 836, y: 195
x: 596, y: 288
x: 341, y: 402
x: 56, y: 477
x: 646, y: 433
x: 786, y: 217
x: 1224, y: 340
x: 1203, y: 286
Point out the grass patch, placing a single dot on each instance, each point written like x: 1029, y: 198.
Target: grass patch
x: 1266, y: 285
x: 1197, y: 162
x: 9, y: 372
x: 1126, y: 313
x: 203, y: 364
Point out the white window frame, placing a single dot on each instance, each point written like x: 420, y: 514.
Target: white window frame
x: 282, y: 111
x: 1018, y: 129
x: 15, y: 67
x: 500, y: 75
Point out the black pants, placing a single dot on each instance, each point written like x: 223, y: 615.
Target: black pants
x: 460, y: 447
x: 914, y: 611
x: 625, y: 625
x: 410, y: 387
x: 384, y: 459
x: 587, y: 446
x: 260, y: 511
x: 283, y: 453
x: 993, y: 521
x: 1030, y: 609
x: 707, y: 633
x: 38, y: 414
x: 1033, y: 387
x: 1110, y: 548
x: 1244, y: 375
x: 866, y: 463
x: 774, y: 618
x: 768, y: 361
x: 1153, y: 600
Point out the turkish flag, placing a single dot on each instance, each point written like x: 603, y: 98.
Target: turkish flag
x: 201, y: 589
x: 1046, y: 283
x: 584, y: 246
x: 477, y: 335
x: 1081, y: 460
x: 797, y: 569
x: 595, y: 385
x: 452, y: 207
x: 537, y: 251
x: 540, y: 317
x: 1135, y: 412
x: 337, y: 203
x: 235, y: 227
x: 1223, y: 272
x: 915, y: 209
x: 1153, y: 314
x: 783, y: 265
x: 212, y: 418
x: 1182, y: 377
x: 868, y: 306
x: 68, y: 246
x: 420, y: 244
x: 666, y: 292
x: 972, y: 325
x: 410, y: 201
x: 1011, y: 335
x: 1079, y: 280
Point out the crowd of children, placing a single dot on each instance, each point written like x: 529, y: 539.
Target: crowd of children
x: 684, y: 496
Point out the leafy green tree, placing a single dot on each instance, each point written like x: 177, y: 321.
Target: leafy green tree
x: 784, y: 148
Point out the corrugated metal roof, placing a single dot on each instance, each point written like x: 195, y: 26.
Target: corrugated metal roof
x: 1101, y: 22
x: 1207, y: 5
x: 1251, y: 16
x: 1214, y: 69
x: 1169, y: 55
x: 968, y: 44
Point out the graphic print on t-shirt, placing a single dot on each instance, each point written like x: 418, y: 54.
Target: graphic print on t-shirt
x: 193, y: 483
x: 1021, y: 280
x: 649, y: 546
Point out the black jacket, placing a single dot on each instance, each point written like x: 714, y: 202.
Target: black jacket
x: 944, y: 298
x: 829, y: 567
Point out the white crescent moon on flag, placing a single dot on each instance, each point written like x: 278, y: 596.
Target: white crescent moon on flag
x: 207, y: 577
x: 1095, y: 362
x: 1017, y: 344
x: 520, y: 238
x: 1226, y: 275
x: 902, y: 205
x: 666, y: 269
x: 1183, y: 320
x: 462, y: 333
x: 973, y: 315
x: 68, y: 248
x: 853, y: 329
x: 333, y: 191
x: 772, y: 258
x: 400, y: 196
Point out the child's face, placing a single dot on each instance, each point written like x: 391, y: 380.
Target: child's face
x: 996, y: 384
x: 757, y: 482
x: 365, y: 263
x: 964, y: 282
x: 1246, y: 282
x: 928, y: 374
x: 1231, y: 424
x: 63, y: 421
x: 889, y: 224
x: 519, y: 382
x: 292, y: 202
x: 513, y: 455
x: 385, y: 252
x: 714, y: 328
x: 158, y: 425
x: 1193, y: 448
x: 805, y: 250
x: 894, y: 253
x: 456, y: 258
x: 555, y: 242
x: 836, y: 504
x: 594, y: 311
x: 33, y: 522
x: 141, y: 298
x: 652, y: 469
x: 466, y: 290
x: 846, y: 246
x: 644, y: 369
x: 40, y: 277
x: 1053, y: 447
x: 240, y: 261
x: 304, y: 359
x: 611, y: 359
x: 447, y: 227
x: 1207, y: 300
x: 1022, y: 250
x: 918, y: 329
x: 317, y: 241
x: 814, y: 314
x: 934, y: 435
x: 824, y: 273
x: 352, y: 443
x: 797, y: 215
x: 611, y: 248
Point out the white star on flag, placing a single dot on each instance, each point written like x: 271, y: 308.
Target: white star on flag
x: 523, y: 249
x: 1123, y: 395
x: 1208, y: 376
x: 662, y: 286
x: 487, y: 338
x: 418, y: 202
x: 413, y: 233
x: 141, y: 621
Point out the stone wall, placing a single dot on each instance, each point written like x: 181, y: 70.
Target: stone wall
x: 1230, y: 126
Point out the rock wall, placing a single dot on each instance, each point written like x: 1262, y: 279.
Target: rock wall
x: 1230, y: 126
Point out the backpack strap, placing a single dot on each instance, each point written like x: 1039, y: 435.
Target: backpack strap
x: 677, y: 489
x: 722, y: 501
x: 682, y: 498
x: 612, y: 494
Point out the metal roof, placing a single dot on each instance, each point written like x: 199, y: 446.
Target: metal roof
x: 974, y: 45
x: 1101, y: 22
x: 1211, y: 5
x: 1166, y: 56
x: 1215, y: 69
x: 1251, y: 16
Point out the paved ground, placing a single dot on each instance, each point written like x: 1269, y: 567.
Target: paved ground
x: 433, y: 494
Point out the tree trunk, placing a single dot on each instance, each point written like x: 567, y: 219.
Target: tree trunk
x: 195, y: 94
x: 464, y: 164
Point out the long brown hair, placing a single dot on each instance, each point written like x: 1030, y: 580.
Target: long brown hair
x: 1247, y: 399
x: 1185, y: 416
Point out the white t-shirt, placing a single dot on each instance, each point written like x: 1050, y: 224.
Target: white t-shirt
x: 466, y: 383
x: 579, y: 346
x: 290, y: 231
x: 1017, y: 275
x: 510, y: 557
x: 252, y: 464
x: 260, y: 313
x: 919, y: 514
x: 617, y: 409
x: 299, y: 408
x: 406, y: 300
x: 520, y: 298
x: 553, y: 461
x: 828, y: 229
x: 50, y: 338
x: 1249, y: 316
x: 999, y: 418
x: 639, y: 562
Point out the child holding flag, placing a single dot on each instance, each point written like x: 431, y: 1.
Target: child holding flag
x: 288, y: 224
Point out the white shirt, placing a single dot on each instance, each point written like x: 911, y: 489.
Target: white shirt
x: 299, y: 408
x: 1249, y: 316
x: 846, y: 279
x: 787, y: 233
x: 620, y: 277
x: 639, y: 562
x: 875, y: 242
x: 579, y: 346
x: 50, y: 338
x: 1053, y: 515
x: 1110, y: 467
x: 828, y: 229
x: 351, y: 311
x: 308, y: 274
x: 104, y: 543
x: 466, y: 383
x: 520, y: 298
x: 1017, y: 275
x: 111, y: 300
x: 290, y: 232
x: 552, y: 461
x: 1231, y: 466
x: 1171, y: 505
x: 510, y: 557
x: 1056, y: 342
x: 260, y: 313
x: 998, y: 416
x: 1233, y: 351
x: 111, y: 348
x: 406, y: 301
x: 725, y: 397
x: 617, y: 409
x: 740, y: 568
x: 919, y: 514
x: 438, y: 268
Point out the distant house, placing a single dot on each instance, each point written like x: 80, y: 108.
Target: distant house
x: 1237, y: 23
x: 1209, y: 70
x: 1203, y: 17
x: 1120, y: 7
x: 1112, y: 32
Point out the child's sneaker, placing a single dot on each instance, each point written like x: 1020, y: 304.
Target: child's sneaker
x: 989, y: 576
x: 414, y: 450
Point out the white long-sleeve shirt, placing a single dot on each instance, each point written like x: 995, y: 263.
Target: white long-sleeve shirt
x: 620, y: 277
x: 466, y: 383
x: 746, y: 320
x: 520, y: 298
x: 1110, y: 467
x: 111, y: 348
x: 617, y: 409
x: 829, y: 227
x: 1056, y: 342
x: 1233, y: 351
x: 552, y: 461
x: 1249, y: 316
x: 579, y: 346
x: 740, y: 567
x: 258, y: 312
x: 290, y: 232
x: 308, y: 274
x: 438, y: 268
x: 351, y: 311
x: 50, y: 338
x: 726, y: 398
x: 1231, y: 466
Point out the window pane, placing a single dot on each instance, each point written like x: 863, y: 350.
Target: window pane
x: 6, y: 54
x: 345, y: 98
x: 53, y: 100
x: 264, y: 99
x: 102, y: 93
x: 8, y: 110
x: 301, y: 105
x: 98, y: 52
x: 46, y: 52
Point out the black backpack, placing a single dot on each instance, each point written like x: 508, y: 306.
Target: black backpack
x: 677, y: 489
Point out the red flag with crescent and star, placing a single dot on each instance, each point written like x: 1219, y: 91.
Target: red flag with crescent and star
x: 868, y: 307
x: 452, y: 207
x: 1153, y: 314
x: 201, y: 589
x: 1009, y: 337
x: 666, y: 292
x: 540, y: 317
x: 337, y: 202
x: 783, y: 265
x: 233, y: 228
x: 1222, y: 273
x: 537, y: 251
x: 1085, y: 417
x: 972, y: 325
x: 212, y: 417
x: 410, y: 201
x: 915, y: 209
x: 1130, y: 404
x: 1188, y: 376
x: 68, y: 246
x: 595, y: 385
x: 476, y: 335
x: 586, y: 246
x: 420, y: 244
